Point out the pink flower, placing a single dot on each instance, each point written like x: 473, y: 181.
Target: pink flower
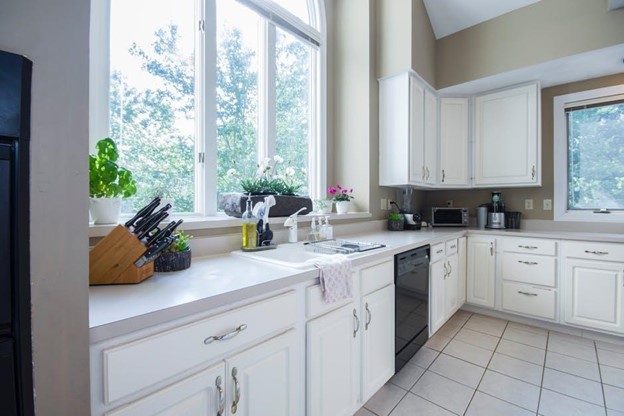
x: 331, y: 190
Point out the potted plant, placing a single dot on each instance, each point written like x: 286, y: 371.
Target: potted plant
x: 177, y: 256
x: 396, y: 221
x: 108, y: 183
x: 341, y: 197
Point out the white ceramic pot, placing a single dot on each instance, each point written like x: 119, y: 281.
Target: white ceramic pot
x: 342, y: 207
x: 105, y: 210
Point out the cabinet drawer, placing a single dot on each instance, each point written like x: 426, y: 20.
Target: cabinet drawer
x: 132, y: 367
x: 437, y: 252
x: 594, y: 251
x: 529, y: 245
x: 537, y: 270
x: 529, y: 300
x: 377, y: 276
x: 451, y: 247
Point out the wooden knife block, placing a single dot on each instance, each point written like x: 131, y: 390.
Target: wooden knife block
x: 111, y: 261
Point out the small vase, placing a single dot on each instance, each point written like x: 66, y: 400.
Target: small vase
x: 105, y: 210
x: 342, y: 207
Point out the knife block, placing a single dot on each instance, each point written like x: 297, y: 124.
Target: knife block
x: 111, y: 261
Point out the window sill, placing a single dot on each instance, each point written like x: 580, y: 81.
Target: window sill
x: 615, y: 216
x: 223, y: 221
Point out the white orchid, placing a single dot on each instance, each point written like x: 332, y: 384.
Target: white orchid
x: 290, y: 171
x: 278, y: 159
x: 232, y: 172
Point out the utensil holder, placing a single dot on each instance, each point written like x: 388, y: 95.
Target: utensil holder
x: 111, y: 261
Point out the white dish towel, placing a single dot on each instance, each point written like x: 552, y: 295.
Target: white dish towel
x: 336, y: 277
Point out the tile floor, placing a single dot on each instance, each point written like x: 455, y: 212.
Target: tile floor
x: 482, y: 366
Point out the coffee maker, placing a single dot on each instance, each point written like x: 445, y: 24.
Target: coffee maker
x: 496, y: 217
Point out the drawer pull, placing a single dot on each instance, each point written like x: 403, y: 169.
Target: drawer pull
x: 528, y: 247
x: 440, y: 251
x: 357, y: 323
x: 236, y: 390
x: 529, y: 263
x: 527, y: 293
x: 598, y: 253
x: 453, y: 246
x: 221, y: 398
x: 370, y: 317
x: 227, y: 336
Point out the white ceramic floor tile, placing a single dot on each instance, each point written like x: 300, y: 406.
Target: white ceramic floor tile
x: 458, y: 370
x: 412, y: 405
x: 407, y: 376
x: 602, y: 345
x: 364, y: 412
x: 521, y: 351
x: 424, y: 357
x: 460, y: 318
x: 467, y: 352
x: 614, y: 397
x: 486, y: 405
x: 525, y: 337
x: 527, y: 328
x: 437, y: 342
x: 612, y: 412
x: 520, y: 369
x: 572, y: 365
x: 610, y: 358
x: 444, y: 392
x: 448, y: 330
x: 385, y: 399
x: 572, y: 349
x: 612, y: 376
x: 479, y: 339
x: 572, y: 338
x: 510, y: 390
x: 555, y: 404
x: 487, y: 325
x: 574, y: 386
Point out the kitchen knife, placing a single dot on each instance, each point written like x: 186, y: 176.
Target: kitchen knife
x: 164, y: 233
x: 143, y: 212
x: 153, y: 252
x: 144, y: 222
x: 151, y: 224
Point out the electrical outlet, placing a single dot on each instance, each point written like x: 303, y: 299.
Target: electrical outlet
x: 384, y: 204
x: 547, y: 204
x: 449, y: 203
x: 528, y: 204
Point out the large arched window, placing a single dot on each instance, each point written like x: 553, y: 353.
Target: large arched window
x: 198, y: 93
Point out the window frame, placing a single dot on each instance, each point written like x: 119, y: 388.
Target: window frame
x: 560, y: 167
x: 206, y: 131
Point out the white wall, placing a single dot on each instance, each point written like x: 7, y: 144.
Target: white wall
x: 54, y: 34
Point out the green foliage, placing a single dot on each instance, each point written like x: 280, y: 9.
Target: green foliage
x: 181, y: 244
x: 393, y: 216
x: 106, y: 178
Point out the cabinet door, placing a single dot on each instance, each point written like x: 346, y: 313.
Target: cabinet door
x: 453, y: 142
x: 461, y: 271
x: 394, y: 130
x: 451, y: 285
x: 417, y: 171
x: 481, y: 267
x: 378, y: 340
x: 333, y: 363
x: 265, y: 378
x: 431, y: 138
x: 507, y: 137
x: 437, y: 298
x: 201, y: 394
x: 593, y: 294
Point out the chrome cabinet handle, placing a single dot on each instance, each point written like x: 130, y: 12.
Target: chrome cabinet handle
x: 533, y: 173
x: 530, y: 263
x: 221, y: 397
x: 357, y: 323
x: 528, y: 247
x: 236, y: 390
x: 527, y: 293
x: 491, y: 249
x: 439, y: 251
x: 450, y: 268
x: 453, y: 246
x: 598, y: 253
x: 369, y: 317
x: 445, y: 270
x: 443, y: 175
x: 423, y: 173
x: 427, y: 169
x: 225, y: 336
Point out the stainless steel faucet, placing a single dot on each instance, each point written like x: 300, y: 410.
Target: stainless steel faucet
x: 291, y: 223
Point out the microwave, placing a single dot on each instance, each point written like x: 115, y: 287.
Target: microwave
x: 446, y: 216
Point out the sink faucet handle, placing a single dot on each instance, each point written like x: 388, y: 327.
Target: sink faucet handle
x: 291, y: 223
x: 296, y: 213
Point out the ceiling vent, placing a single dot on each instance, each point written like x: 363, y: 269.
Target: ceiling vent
x: 616, y: 4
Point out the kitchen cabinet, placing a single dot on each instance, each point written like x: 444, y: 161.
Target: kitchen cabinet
x: 408, y: 125
x: 593, y: 279
x: 350, y: 350
x: 454, y: 156
x: 508, y: 137
x: 445, y: 283
x: 481, y: 271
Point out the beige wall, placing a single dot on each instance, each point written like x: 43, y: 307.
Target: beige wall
x: 423, y: 44
x: 514, y: 197
x: 544, y: 31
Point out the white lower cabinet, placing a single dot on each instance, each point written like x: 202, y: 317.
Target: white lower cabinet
x: 481, y: 271
x: 446, y: 281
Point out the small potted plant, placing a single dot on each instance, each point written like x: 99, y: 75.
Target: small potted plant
x: 177, y: 256
x: 341, y: 197
x: 108, y: 183
x: 396, y: 221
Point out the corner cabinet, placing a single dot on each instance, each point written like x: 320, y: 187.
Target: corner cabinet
x: 508, y: 137
x: 453, y: 169
x: 408, y: 126
x: 481, y: 271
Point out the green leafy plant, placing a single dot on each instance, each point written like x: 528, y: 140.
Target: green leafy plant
x: 181, y: 244
x: 393, y: 216
x: 268, y: 179
x: 106, y: 178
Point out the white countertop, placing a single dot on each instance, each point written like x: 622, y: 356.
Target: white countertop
x: 219, y: 280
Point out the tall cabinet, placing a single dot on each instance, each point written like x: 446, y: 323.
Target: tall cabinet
x: 454, y: 136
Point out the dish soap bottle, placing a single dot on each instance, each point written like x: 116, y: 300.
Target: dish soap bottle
x: 329, y: 230
x: 250, y: 233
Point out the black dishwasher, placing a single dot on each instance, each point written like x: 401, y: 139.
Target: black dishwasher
x: 411, y: 283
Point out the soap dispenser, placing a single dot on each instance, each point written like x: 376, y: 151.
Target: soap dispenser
x: 250, y: 233
x: 329, y: 229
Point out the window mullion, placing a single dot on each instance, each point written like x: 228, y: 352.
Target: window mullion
x: 206, y: 188
x: 266, y: 92
x: 99, y: 80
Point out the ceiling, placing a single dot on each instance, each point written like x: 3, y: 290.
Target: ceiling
x: 450, y: 16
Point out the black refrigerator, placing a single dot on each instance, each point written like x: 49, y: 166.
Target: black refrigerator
x: 16, y: 385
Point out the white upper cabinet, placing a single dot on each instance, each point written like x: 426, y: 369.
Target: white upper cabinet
x: 508, y: 138
x: 453, y: 169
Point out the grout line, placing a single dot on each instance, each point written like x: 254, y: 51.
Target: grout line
x: 572, y: 397
x: 539, y: 400
x: 604, y: 396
